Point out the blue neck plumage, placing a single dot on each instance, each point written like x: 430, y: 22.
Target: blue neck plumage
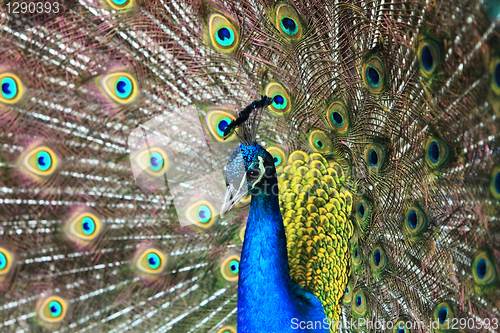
x: 264, y: 285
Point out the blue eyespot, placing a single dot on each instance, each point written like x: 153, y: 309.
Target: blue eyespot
x: 55, y: 308
x: 124, y: 87
x: 88, y: 226
x: 277, y: 160
x: 376, y: 257
x: 221, y: 126
x: 204, y: 214
x: 154, y: 260
x: 224, y: 36
x: 481, y: 268
x: 337, y: 119
x: 347, y: 290
x: 413, y: 219
x: 44, y: 160
x: 434, y: 152
x: 119, y: 2
x: 427, y: 59
x: 9, y: 88
x: 361, y: 210
x: 373, y: 158
x: 155, y: 161
x: 443, y: 315
x: 373, y: 77
x: 234, y: 266
x: 359, y: 299
x: 3, y: 261
x: 319, y: 144
x: 356, y: 253
x: 279, y: 102
x: 289, y: 26
x: 401, y: 330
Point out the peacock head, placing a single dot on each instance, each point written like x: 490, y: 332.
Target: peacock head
x: 250, y: 170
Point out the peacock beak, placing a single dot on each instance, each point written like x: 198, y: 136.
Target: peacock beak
x: 233, y: 196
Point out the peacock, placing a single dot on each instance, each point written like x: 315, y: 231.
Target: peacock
x: 249, y: 166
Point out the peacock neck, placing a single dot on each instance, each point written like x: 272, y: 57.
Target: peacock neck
x: 264, y: 285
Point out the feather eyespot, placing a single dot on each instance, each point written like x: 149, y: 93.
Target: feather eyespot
x: 443, y: 315
x: 356, y: 255
x: 227, y: 329
x: 362, y: 212
x: 347, y: 295
x: 483, y: 270
x: 281, y: 100
x: 216, y: 122
x: 121, y: 87
x: 319, y: 141
x: 378, y: 259
x: 40, y: 161
x: 150, y: 261
x: 375, y: 156
x: 52, y: 309
x: 5, y: 262
x: 152, y: 160
x: 338, y: 118
x: 201, y: 214
x: 415, y: 221
x: 278, y: 155
x: 223, y: 34
x: 120, y: 4
x: 359, y: 305
x: 288, y: 22
x: 374, y: 75
x: 436, y: 153
x: 230, y: 268
x: 495, y: 183
x: 11, y: 88
x: 429, y: 56
x: 84, y: 227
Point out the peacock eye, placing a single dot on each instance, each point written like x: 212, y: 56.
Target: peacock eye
x: 201, y: 214
x: 359, y: 305
x: 5, y: 262
x: 483, y: 270
x: 253, y: 174
x: 52, y: 309
x: 84, y: 227
x: 429, y: 57
x: 11, y: 88
x: 41, y: 161
x: 347, y: 295
x: 337, y: 116
x: 216, y: 122
x: 443, y: 314
x: 230, y: 268
x: 223, y: 34
x: 436, y: 153
x: 121, y: 87
x: 287, y: 22
x: 281, y: 101
x: 150, y: 261
x: 374, y: 75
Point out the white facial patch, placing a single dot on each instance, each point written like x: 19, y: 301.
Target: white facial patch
x: 262, y: 170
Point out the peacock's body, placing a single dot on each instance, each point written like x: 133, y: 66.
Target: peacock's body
x: 382, y: 136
